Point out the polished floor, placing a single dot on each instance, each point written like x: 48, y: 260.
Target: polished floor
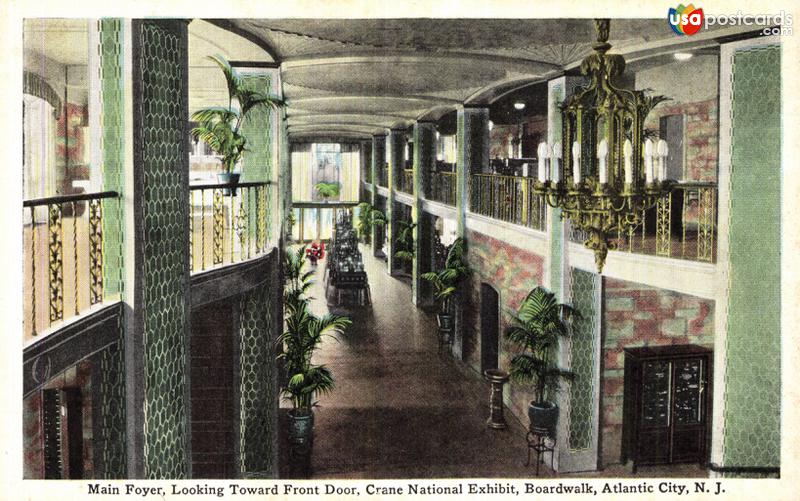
x: 399, y: 409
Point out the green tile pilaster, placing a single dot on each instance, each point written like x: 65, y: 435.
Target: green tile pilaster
x: 472, y: 143
x: 257, y: 128
x: 113, y: 150
x: 160, y: 195
x: 423, y: 163
x: 378, y: 158
x: 112, y: 439
x: 285, y: 177
x: 396, y: 144
x: 579, y: 424
x: 583, y: 424
x: 258, y: 434
x: 752, y: 414
x: 472, y: 156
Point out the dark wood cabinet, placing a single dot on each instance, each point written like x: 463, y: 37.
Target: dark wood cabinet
x: 666, y: 410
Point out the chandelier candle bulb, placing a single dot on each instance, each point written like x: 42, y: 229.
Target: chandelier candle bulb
x: 663, y: 151
x: 602, y: 153
x: 555, y: 163
x: 576, y: 163
x: 648, y: 161
x: 543, y: 154
x: 627, y: 153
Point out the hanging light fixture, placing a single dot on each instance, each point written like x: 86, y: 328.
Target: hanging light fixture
x: 611, y: 175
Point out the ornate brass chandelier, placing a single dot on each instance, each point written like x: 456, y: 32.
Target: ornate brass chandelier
x: 611, y: 174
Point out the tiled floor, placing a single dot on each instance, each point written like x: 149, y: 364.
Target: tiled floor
x: 401, y: 411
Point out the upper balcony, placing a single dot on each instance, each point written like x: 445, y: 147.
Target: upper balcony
x: 228, y: 223
x: 72, y: 258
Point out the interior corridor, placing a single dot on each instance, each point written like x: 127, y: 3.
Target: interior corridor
x: 399, y: 410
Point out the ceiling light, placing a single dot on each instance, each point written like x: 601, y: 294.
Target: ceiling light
x: 519, y: 105
x: 683, y: 56
x: 611, y: 174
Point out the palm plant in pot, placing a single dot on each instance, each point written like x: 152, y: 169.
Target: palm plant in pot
x: 303, y: 334
x: 327, y: 190
x: 368, y: 217
x: 405, y: 244
x: 220, y: 127
x: 537, y: 327
x: 447, y: 280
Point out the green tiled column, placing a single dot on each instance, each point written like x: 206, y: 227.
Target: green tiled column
x: 258, y: 436
x: 257, y: 160
x: 582, y: 421
x: 472, y: 156
x: 112, y: 411
x: 396, y: 144
x: 579, y: 421
x: 472, y: 143
x: 284, y: 178
x: 424, y: 159
x: 113, y: 147
x: 160, y: 196
x: 753, y: 346
x: 111, y: 361
x: 378, y: 158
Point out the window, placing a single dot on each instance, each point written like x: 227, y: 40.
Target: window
x: 57, y: 148
x: 333, y: 164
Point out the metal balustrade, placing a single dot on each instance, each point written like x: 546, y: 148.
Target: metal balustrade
x: 683, y: 225
x: 63, y: 257
x: 507, y: 198
x: 228, y: 223
x: 443, y: 188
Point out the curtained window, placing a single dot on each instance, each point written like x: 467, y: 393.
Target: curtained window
x: 330, y: 163
x: 39, y: 148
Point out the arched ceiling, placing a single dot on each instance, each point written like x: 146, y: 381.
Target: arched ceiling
x: 358, y: 77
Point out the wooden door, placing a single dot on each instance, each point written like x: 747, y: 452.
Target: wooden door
x: 688, y: 409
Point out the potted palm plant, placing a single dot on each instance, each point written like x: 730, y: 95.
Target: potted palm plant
x: 327, y: 190
x: 405, y: 243
x: 303, y: 335
x: 368, y: 217
x: 536, y: 328
x: 447, y: 280
x: 220, y: 127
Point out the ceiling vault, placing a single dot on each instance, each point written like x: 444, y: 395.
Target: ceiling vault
x: 353, y: 77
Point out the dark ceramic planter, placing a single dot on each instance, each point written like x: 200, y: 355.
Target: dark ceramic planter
x: 228, y: 178
x: 543, y: 417
x: 301, y: 428
x: 445, y: 321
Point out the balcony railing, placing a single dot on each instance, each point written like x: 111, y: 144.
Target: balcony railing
x: 407, y: 181
x: 683, y: 224
x: 227, y: 226
x: 507, y: 198
x: 64, y: 257
x: 443, y: 188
